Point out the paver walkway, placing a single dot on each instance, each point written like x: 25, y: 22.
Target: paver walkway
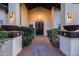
x: 40, y: 46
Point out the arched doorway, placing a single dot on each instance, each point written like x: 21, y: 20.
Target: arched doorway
x: 39, y: 28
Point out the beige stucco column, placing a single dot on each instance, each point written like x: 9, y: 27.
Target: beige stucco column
x: 24, y: 15
x: 62, y: 21
x: 52, y: 18
x: 14, y: 14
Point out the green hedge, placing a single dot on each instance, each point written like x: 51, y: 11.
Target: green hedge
x: 52, y: 32
x: 53, y: 35
x: 28, y: 35
x: 3, y: 36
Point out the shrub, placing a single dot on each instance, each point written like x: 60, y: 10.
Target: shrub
x: 27, y: 40
x: 53, y: 35
x: 52, y: 32
x: 3, y: 36
x: 28, y: 35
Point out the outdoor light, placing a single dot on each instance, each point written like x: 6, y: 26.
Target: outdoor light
x: 11, y: 15
x: 39, y: 16
x: 69, y: 15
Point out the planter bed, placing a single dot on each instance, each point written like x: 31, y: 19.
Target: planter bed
x: 69, y: 42
x: 13, y: 44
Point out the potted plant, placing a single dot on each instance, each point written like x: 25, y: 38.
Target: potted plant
x: 3, y: 36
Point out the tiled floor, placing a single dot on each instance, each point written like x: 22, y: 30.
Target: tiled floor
x: 40, y: 46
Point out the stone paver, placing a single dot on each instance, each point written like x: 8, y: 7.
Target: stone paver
x: 40, y: 46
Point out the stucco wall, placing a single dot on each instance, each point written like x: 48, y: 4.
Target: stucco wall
x: 73, y: 9
x: 38, y: 14
x: 62, y: 21
x: 21, y: 14
x: 3, y: 17
x: 57, y: 18
x: 65, y: 9
x: 68, y: 8
x: 52, y: 18
x: 12, y: 46
x: 75, y: 14
x: 24, y: 15
x: 14, y: 8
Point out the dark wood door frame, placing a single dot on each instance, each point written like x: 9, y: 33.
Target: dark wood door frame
x: 39, y: 28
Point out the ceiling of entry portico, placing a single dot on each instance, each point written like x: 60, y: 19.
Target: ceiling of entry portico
x: 34, y: 5
x: 45, y: 5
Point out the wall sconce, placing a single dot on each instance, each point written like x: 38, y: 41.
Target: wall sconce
x: 69, y: 15
x: 11, y: 15
x: 69, y: 18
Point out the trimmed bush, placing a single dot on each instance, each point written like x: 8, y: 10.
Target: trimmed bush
x: 28, y: 35
x: 53, y: 35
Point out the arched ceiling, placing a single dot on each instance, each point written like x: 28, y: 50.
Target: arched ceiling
x: 45, y: 5
x: 34, y: 5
